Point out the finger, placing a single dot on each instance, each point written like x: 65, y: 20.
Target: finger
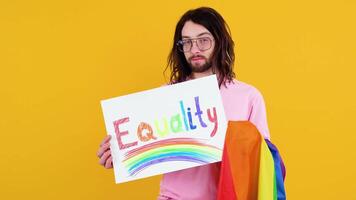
x: 105, y: 156
x: 103, y: 149
x: 108, y: 163
x: 106, y: 140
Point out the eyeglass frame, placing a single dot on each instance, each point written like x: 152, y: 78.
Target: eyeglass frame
x: 194, y: 40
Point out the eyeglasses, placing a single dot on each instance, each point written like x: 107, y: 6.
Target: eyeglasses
x: 203, y: 43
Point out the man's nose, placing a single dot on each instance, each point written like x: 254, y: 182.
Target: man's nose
x: 195, y: 49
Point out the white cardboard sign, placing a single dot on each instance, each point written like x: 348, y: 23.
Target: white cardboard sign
x: 165, y: 129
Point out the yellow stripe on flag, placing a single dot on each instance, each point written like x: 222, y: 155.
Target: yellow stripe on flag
x: 266, y: 175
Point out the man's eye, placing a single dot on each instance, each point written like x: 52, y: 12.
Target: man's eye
x: 186, y: 42
x: 203, y: 40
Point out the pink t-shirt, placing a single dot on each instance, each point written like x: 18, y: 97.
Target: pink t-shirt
x: 242, y: 102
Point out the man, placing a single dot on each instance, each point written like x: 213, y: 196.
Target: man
x: 203, y: 46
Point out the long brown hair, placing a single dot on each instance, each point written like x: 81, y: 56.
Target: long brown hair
x: 223, y: 56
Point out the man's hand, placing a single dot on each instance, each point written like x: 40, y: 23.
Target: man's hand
x: 104, y: 153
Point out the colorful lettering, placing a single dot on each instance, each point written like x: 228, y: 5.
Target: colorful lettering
x: 119, y: 133
x: 176, y: 123
x: 213, y: 119
x: 149, y: 135
x: 199, y: 112
x: 165, y: 130
x: 179, y: 122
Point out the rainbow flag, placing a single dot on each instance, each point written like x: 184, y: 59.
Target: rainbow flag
x: 251, y: 167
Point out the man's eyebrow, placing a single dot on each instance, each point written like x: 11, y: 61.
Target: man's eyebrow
x: 200, y: 34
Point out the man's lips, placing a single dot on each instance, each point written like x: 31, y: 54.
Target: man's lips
x: 197, y: 58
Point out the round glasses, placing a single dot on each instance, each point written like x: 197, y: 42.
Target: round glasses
x: 203, y: 43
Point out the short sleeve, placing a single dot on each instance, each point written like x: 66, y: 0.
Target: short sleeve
x: 258, y: 115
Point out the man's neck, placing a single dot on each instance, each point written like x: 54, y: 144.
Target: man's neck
x: 196, y: 75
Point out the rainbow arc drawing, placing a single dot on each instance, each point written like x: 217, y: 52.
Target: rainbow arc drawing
x: 177, y: 149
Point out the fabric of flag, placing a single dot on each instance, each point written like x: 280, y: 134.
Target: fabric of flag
x: 251, y: 167
x: 279, y: 170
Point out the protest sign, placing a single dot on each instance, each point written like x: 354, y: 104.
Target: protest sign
x: 165, y: 129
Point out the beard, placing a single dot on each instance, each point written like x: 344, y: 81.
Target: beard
x: 199, y: 68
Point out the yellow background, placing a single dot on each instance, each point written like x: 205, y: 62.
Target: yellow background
x: 59, y: 59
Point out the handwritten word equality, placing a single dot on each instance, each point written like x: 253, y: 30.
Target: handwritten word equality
x: 179, y: 122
